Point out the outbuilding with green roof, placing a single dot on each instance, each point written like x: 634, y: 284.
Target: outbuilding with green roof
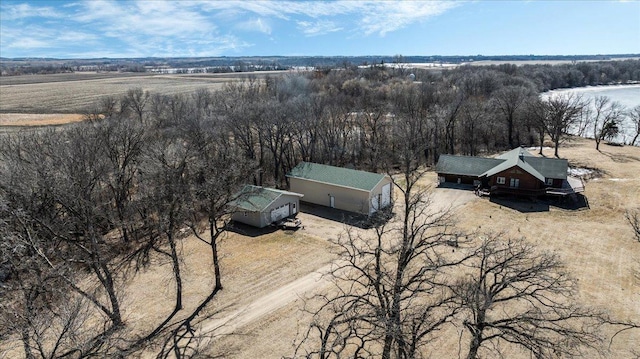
x: 341, y: 188
x: 260, y: 206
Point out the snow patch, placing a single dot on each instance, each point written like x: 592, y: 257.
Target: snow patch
x: 579, y: 172
x: 538, y: 148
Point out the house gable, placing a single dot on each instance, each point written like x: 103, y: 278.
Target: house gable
x: 525, y: 180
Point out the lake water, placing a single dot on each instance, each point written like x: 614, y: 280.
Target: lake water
x: 627, y: 95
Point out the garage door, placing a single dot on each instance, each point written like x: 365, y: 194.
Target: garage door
x: 280, y: 213
x: 386, y: 195
x: 374, y: 204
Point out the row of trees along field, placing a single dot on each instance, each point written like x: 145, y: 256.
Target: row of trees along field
x: 85, y: 207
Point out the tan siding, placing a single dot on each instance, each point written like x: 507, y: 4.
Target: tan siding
x: 319, y: 193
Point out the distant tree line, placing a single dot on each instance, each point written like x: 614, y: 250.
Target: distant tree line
x: 84, y: 207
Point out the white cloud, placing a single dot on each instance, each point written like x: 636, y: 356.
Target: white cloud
x: 22, y: 11
x: 258, y: 25
x: 315, y: 28
x: 370, y: 17
x: 199, y: 27
x: 388, y: 16
x: 156, y: 18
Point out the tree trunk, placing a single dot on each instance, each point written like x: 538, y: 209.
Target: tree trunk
x: 26, y: 343
x: 103, y: 273
x: 115, y: 316
x: 214, y: 233
x: 473, y: 347
x: 510, y: 131
x: 176, y: 273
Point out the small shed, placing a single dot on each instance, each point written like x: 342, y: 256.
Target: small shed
x: 259, y: 206
x: 341, y: 188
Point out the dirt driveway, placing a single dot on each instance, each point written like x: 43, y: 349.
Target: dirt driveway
x: 327, y: 224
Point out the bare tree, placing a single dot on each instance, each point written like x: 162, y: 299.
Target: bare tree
x: 633, y: 217
x: 512, y: 295
x: 389, y: 294
x: 606, y: 119
x: 136, y: 100
x: 58, y: 179
x: 166, y: 195
x: 473, y: 115
x: 634, y: 116
x: 556, y: 114
x: 509, y: 100
x: 49, y: 320
x: 387, y: 300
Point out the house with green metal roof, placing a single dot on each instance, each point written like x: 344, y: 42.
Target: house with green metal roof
x: 342, y: 188
x: 259, y: 206
x: 516, y: 172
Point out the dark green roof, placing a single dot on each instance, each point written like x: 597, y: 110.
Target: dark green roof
x: 256, y: 199
x: 539, y: 167
x: 549, y: 167
x: 465, y: 165
x: 339, y: 176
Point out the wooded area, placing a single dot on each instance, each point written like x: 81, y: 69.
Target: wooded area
x: 84, y: 207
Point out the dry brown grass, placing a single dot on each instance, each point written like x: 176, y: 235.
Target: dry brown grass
x: 251, y: 267
x: 31, y: 119
x: 596, y: 244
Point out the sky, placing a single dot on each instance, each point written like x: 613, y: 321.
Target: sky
x: 201, y: 28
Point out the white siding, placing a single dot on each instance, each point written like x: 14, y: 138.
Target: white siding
x: 280, y: 212
x: 386, y: 195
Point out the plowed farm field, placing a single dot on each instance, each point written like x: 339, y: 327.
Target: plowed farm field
x: 76, y: 92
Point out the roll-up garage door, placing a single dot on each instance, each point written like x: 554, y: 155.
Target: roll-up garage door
x: 280, y: 213
x: 386, y: 195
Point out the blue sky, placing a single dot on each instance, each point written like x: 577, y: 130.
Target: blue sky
x: 158, y: 28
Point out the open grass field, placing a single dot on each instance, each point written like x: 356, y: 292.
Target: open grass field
x: 74, y: 93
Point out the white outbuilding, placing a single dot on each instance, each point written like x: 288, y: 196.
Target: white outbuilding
x: 259, y: 206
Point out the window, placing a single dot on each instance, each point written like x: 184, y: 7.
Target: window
x: 549, y: 181
x: 515, y: 183
x: 500, y: 180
